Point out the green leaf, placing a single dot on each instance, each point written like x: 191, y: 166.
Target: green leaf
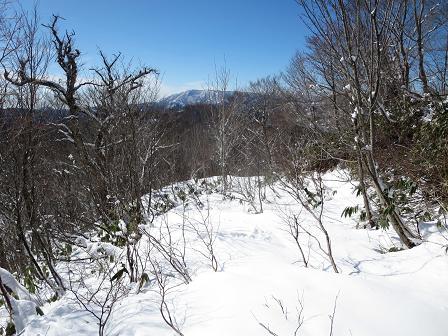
x: 39, y: 311
x: 349, y: 211
x: 119, y: 274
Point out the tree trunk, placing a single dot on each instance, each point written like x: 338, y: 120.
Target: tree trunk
x: 362, y: 185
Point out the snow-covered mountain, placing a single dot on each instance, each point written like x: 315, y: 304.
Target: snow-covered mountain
x: 192, y: 97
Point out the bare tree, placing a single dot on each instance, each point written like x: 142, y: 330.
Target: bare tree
x: 29, y: 171
x: 225, y: 122
x: 113, y: 139
x: 351, y: 42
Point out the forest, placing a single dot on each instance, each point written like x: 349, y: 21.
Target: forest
x: 108, y: 197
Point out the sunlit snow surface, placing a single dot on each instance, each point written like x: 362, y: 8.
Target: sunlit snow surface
x: 401, y: 293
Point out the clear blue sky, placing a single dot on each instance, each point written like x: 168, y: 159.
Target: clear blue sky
x: 185, y: 39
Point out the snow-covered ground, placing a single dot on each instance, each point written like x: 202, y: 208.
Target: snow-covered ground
x: 262, y: 281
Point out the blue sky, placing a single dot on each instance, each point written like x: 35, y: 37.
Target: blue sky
x: 185, y: 39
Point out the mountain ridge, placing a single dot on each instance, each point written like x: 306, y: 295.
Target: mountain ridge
x: 193, y: 97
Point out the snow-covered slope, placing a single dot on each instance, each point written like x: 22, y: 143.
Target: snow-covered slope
x: 262, y: 282
x: 191, y: 97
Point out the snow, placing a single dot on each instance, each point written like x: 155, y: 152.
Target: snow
x: 23, y: 312
x: 23, y: 306
x: 376, y: 293
x: 191, y: 97
x: 9, y: 280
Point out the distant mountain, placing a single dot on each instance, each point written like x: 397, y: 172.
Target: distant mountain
x: 193, y: 97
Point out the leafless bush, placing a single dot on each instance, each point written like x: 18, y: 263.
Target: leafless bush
x: 295, y: 230
x: 309, y: 191
x: 251, y: 190
x: 297, y: 316
x: 171, y: 250
x: 99, y: 292
x: 164, y: 288
x: 206, y: 232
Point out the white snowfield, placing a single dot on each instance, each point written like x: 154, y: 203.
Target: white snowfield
x: 262, y: 281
